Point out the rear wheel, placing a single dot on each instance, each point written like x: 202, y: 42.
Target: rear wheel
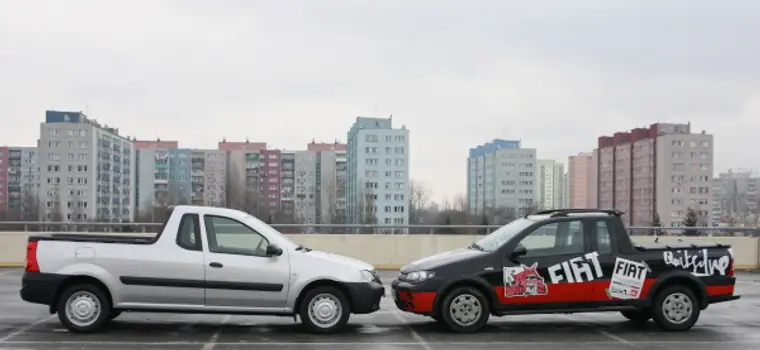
x: 465, y: 310
x: 324, y: 310
x: 676, y: 308
x: 638, y: 316
x: 83, y: 308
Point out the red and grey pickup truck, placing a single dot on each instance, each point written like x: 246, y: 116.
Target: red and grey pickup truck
x: 567, y: 261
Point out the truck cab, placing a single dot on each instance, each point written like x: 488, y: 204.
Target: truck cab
x: 567, y: 261
x: 204, y: 260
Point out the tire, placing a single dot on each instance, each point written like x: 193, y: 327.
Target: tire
x: 467, y: 301
x: 637, y: 316
x: 94, y: 307
x: 676, y: 308
x: 324, y: 299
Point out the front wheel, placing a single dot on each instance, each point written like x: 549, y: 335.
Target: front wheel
x: 676, y: 308
x: 465, y: 310
x: 83, y: 308
x: 324, y: 310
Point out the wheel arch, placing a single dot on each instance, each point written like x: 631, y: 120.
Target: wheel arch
x: 323, y: 282
x: 479, y: 284
x: 679, y: 278
x: 79, y: 279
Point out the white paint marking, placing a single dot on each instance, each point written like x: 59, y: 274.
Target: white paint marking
x: 616, y: 338
x: 8, y: 272
x: 420, y: 340
x: 24, y: 329
x: 212, y: 341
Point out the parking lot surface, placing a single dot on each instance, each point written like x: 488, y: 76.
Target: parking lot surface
x: 726, y: 326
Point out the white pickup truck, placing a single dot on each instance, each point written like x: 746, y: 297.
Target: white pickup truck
x: 204, y: 260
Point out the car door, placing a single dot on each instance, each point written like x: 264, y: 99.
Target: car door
x: 238, y: 272
x: 176, y: 279
x: 605, y: 244
x: 556, y: 268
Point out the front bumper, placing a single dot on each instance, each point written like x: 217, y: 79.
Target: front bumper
x: 413, y: 298
x: 365, y: 297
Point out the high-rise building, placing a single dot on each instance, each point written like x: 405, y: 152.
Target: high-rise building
x: 735, y: 198
x: 255, y: 176
x: 3, y: 180
x: 287, y: 185
x: 663, y: 169
x: 550, y: 184
x: 501, y: 175
x: 163, y: 174
x: 88, y: 170
x: 377, y: 172
x: 581, y: 178
x: 305, y: 193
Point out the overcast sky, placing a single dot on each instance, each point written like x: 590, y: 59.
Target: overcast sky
x: 555, y: 74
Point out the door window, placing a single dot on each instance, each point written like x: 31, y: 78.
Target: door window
x: 557, y: 238
x: 603, y: 239
x: 229, y: 236
x: 189, y: 233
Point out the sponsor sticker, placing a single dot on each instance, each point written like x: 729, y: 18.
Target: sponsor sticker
x: 627, y: 279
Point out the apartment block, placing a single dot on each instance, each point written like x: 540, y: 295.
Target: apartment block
x: 89, y: 170
x: 582, y: 180
x: 663, y: 169
x: 255, y: 174
x: 287, y: 185
x: 163, y: 174
x: 735, y: 198
x: 3, y: 179
x: 305, y: 193
x: 550, y: 184
x: 377, y: 172
x: 501, y: 175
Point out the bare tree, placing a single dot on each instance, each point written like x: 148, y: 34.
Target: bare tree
x: 235, y: 190
x: 418, y: 201
x: 176, y: 197
x: 331, y: 211
x: 367, y: 205
x: 30, y: 206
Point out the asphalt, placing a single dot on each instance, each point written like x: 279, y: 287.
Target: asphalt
x: 726, y: 326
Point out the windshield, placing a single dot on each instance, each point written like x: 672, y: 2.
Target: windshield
x: 495, y: 239
x: 269, y: 231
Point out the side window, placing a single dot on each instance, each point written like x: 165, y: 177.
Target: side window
x: 557, y: 238
x: 228, y: 236
x: 603, y: 239
x: 189, y: 233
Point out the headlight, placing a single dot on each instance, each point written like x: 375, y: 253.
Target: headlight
x: 367, y: 276
x: 419, y: 276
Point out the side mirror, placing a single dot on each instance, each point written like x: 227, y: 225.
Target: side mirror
x: 518, y: 252
x: 273, y: 250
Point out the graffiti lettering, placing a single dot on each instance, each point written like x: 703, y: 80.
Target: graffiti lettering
x: 698, y: 263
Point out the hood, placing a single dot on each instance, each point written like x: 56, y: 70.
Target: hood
x: 340, y: 259
x: 441, y: 259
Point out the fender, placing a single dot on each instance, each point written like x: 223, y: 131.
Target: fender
x: 680, y: 276
x: 474, y: 280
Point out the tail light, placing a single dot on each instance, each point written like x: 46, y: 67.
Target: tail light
x: 31, y: 257
x: 731, y: 267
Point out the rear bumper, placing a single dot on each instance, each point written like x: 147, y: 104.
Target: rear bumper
x: 365, y: 297
x: 40, y: 288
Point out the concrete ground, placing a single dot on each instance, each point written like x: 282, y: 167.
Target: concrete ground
x: 732, y: 325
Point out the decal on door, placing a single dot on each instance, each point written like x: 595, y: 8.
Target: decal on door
x: 627, y: 279
x: 523, y: 281
x: 699, y: 264
x: 578, y: 269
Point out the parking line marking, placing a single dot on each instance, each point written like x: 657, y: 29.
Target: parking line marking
x: 420, y: 340
x: 8, y: 272
x: 212, y: 341
x: 24, y: 329
x: 505, y: 342
x: 616, y: 338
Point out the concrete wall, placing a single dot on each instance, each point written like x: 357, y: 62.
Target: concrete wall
x: 393, y: 251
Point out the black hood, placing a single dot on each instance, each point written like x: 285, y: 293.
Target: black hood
x: 441, y: 259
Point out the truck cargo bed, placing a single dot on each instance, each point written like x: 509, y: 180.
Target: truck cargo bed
x: 74, y: 237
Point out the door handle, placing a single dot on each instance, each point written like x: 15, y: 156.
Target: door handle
x: 216, y: 265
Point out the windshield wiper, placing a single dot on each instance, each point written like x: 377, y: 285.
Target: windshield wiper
x: 475, y: 246
x: 301, y: 247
